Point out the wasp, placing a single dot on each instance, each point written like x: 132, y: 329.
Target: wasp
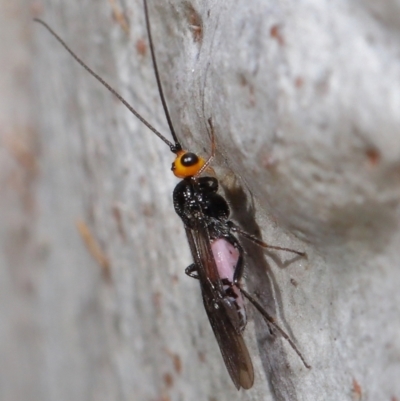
x: 218, y: 255
x: 218, y: 265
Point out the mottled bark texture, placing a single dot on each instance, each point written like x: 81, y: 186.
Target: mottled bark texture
x: 305, y: 100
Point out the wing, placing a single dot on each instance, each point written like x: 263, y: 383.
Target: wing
x: 233, y: 348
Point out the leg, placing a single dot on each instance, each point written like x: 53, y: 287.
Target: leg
x: 234, y: 228
x: 191, y: 271
x: 238, y: 273
x: 209, y: 160
x: 271, y: 321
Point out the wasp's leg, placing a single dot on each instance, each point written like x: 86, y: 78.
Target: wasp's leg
x: 234, y: 228
x: 271, y: 321
x: 210, y: 159
x: 191, y: 271
x: 238, y: 273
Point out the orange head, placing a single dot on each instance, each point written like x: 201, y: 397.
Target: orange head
x: 186, y: 164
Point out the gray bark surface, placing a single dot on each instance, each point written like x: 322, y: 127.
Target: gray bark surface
x: 305, y: 100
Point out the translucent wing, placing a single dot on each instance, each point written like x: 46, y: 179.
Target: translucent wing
x: 219, y: 309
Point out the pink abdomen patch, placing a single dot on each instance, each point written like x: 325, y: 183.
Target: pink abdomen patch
x: 226, y: 259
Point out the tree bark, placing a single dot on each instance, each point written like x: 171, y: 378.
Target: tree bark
x: 305, y: 103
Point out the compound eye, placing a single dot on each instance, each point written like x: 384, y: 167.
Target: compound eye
x: 189, y: 159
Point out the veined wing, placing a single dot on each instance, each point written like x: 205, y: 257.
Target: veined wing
x: 220, y: 310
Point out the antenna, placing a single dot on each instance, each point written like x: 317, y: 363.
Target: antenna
x: 178, y: 146
x: 174, y: 147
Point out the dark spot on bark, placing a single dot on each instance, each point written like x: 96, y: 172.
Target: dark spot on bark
x: 141, y: 47
x: 195, y: 22
x: 276, y: 33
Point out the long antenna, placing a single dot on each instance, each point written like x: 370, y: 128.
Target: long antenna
x: 174, y: 147
x: 160, y: 89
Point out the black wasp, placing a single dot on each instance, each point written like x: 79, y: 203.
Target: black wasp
x: 217, y: 253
